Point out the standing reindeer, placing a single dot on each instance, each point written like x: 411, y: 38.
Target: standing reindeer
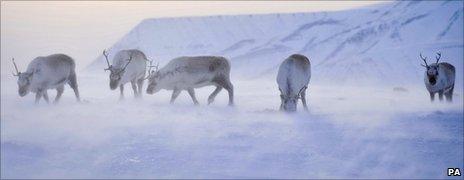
x: 439, y: 77
x: 128, y: 66
x: 49, y: 72
x: 293, y: 79
x: 187, y: 73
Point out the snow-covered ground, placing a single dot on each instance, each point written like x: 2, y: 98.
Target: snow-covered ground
x: 350, y: 132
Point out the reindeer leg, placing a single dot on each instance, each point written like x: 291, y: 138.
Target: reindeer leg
x: 226, y: 84
x: 214, y: 94
x: 440, y: 95
x: 38, y: 94
x: 303, y: 99
x: 45, y: 96
x: 59, y: 92
x: 73, y: 83
x: 140, y: 86
x: 281, y: 108
x: 449, y: 94
x: 175, y: 93
x: 121, y: 89
x: 230, y: 89
x: 191, y: 92
x: 432, y: 96
x: 134, y: 87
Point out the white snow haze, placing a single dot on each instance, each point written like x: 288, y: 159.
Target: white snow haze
x: 370, y: 115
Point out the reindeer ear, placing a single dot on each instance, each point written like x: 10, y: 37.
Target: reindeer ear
x: 301, y: 90
x: 29, y: 75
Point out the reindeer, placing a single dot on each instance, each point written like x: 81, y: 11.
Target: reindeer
x: 439, y: 77
x: 293, y: 79
x: 187, y: 73
x: 49, y: 72
x: 128, y: 66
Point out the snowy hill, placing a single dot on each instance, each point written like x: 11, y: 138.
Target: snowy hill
x: 374, y: 44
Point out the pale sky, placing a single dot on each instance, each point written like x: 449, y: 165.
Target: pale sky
x: 83, y: 29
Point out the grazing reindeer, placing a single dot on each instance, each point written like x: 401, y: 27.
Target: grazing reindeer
x: 128, y: 66
x: 187, y: 73
x: 293, y: 79
x: 49, y: 72
x: 439, y: 77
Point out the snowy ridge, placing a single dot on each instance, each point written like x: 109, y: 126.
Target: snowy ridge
x: 377, y: 44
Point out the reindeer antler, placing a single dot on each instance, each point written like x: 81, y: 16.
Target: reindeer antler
x: 438, y: 57
x: 149, y: 69
x: 424, y: 59
x: 156, y: 67
x: 107, y: 61
x: 16, y: 68
x: 129, y: 60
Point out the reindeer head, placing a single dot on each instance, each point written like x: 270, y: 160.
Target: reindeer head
x: 290, y: 101
x: 153, y: 79
x: 24, y: 81
x: 432, y: 70
x: 115, y: 73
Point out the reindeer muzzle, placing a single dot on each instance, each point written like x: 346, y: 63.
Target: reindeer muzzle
x: 432, y: 80
x: 22, y: 92
x: 113, y: 85
x: 150, y: 91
